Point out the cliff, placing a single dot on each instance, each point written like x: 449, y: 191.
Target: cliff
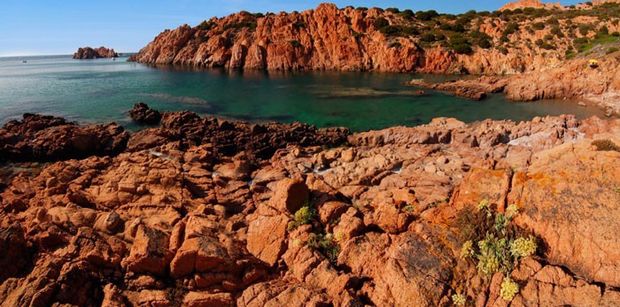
x: 536, y: 4
x: 359, y: 39
x: 88, y: 53
x: 207, y: 212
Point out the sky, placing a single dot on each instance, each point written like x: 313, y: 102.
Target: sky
x: 45, y: 27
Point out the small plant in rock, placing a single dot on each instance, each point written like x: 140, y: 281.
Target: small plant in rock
x: 459, y: 299
x: 326, y: 245
x: 494, y: 255
x: 523, y: 247
x: 498, y: 251
x: 409, y: 208
x: 467, y: 250
x: 295, y: 43
x: 303, y: 216
x: 508, y: 289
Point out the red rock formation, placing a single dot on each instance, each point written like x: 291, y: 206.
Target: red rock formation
x: 537, y: 4
x: 88, y: 53
x: 43, y: 138
x: 574, y: 80
x: 388, y: 215
x: 142, y: 114
x: 329, y: 38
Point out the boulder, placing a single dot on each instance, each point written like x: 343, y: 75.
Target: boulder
x: 142, y: 114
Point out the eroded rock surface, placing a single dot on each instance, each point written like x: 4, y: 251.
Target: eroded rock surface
x: 274, y: 217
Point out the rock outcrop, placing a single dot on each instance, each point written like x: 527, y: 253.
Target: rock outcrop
x: 350, y: 39
x: 88, y: 53
x: 383, y: 219
x: 142, y: 114
x: 536, y: 4
x: 475, y: 89
x: 574, y: 80
x: 44, y: 138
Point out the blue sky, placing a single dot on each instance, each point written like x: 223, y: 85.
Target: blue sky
x: 35, y: 27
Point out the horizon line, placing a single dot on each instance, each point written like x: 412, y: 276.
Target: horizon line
x: 51, y: 54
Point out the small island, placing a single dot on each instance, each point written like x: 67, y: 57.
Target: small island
x: 88, y: 53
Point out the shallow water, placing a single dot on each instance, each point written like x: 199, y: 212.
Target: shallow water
x: 104, y: 90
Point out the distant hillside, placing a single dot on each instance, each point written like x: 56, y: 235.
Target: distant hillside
x: 361, y: 39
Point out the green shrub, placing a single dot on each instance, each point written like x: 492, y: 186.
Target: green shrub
x: 544, y: 45
x: 481, y: 39
x: 426, y: 15
x: 303, y: 216
x: 299, y: 25
x: 295, y: 43
x: 396, y: 45
x: 460, y: 44
x: 557, y: 31
x: 538, y: 26
x: 497, y: 251
x: 584, y: 29
x: 467, y: 250
x: 493, y: 255
x: 508, y: 289
x: 485, y: 43
x: 580, y: 41
x: 511, y: 28
x: 612, y: 50
x: 206, y: 25
x: 393, y: 10
x: 522, y: 247
x: 458, y: 300
x: 381, y: 23
x: 251, y: 25
x: 462, y: 48
x: 428, y: 37
x: 605, y: 145
x: 326, y: 245
x: 407, y: 14
x: 553, y: 21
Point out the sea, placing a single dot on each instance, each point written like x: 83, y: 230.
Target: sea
x: 104, y: 90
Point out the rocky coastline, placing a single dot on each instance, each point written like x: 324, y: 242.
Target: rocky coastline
x: 88, y: 53
x: 575, y: 80
x: 207, y: 212
x: 528, y: 50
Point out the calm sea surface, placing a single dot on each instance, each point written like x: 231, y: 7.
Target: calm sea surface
x: 104, y: 90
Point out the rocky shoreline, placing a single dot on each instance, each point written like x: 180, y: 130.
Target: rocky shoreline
x: 528, y: 50
x: 207, y: 212
x: 574, y: 80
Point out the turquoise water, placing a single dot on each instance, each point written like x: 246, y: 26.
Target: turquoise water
x: 104, y: 90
